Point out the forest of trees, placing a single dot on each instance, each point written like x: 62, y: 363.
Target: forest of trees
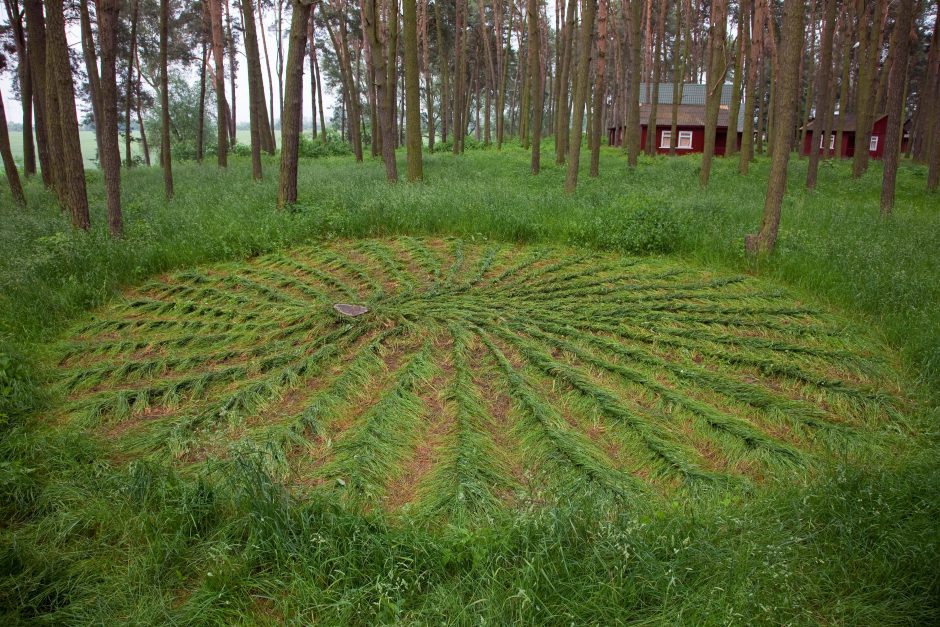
x: 430, y: 75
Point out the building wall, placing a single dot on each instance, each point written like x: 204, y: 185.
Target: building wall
x: 615, y: 138
x: 879, y: 129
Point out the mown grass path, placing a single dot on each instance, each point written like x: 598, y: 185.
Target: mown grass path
x: 483, y: 375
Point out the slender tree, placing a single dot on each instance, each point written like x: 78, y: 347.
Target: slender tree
x: 215, y: 23
x: 412, y: 91
x: 535, y: 81
x: 787, y: 92
x: 582, y: 83
x: 731, y: 138
x: 634, y: 28
x: 201, y: 114
x: 9, y: 166
x: 36, y: 51
x: 15, y: 16
x: 564, y: 72
x: 166, y: 155
x: 657, y: 70
x: 70, y: 180
x: 822, y: 126
x: 869, y: 51
x: 752, y: 56
x: 377, y: 44
x: 91, y: 68
x: 900, y: 46
x: 599, y: 89
x: 256, y: 109
x: 129, y: 81
x: 717, y: 67
x: 292, y: 115
x: 110, y: 151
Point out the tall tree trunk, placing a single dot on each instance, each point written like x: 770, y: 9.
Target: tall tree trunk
x: 822, y: 126
x: 504, y: 76
x: 807, y: 73
x: 582, y: 82
x: 377, y: 45
x: 791, y: 42
x: 844, y: 85
x: 412, y: 91
x: 63, y: 115
x: 459, y: 76
x: 36, y: 51
x: 256, y: 109
x: 680, y: 53
x: 267, y: 64
x: 426, y: 63
x: 140, y: 118
x: 901, y: 47
x: 128, y: 96
x: 215, y: 19
x: 312, y: 51
x: 292, y: 114
x: 316, y: 68
x: 731, y: 139
x: 391, y: 65
x: 350, y: 91
x: 717, y: 66
x: 15, y: 17
x: 535, y: 82
x: 599, y: 89
x: 651, y: 127
x: 868, y: 55
x: 233, y: 69
x: 564, y: 74
x: 633, y: 101
x: 110, y: 151
x: 201, y: 115
x: 166, y: 154
x: 91, y: 67
x: 444, y: 70
x: 9, y: 166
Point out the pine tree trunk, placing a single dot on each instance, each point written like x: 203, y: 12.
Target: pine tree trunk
x: 91, y: 66
x: 633, y: 101
x: 582, y: 81
x: 564, y: 80
x: 844, y: 86
x: 15, y: 17
x: 292, y: 114
x: 166, y: 154
x: 651, y: 126
x: 36, y: 51
x: 377, y: 44
x: 599, y: 89
x: 233, y: 69
x: 267, y: 64
x: 731, y: 139
x: 129, y: 81
x: 140, y: 118
x: 535, y: 82
x: 717, y: 68
x: 791, y: 41
x: 901, y: 47
x: 426, y: 64
x: 71, y: 176
x: 201, y: 115
x: 316, y: 68
x: 110, y: 151
x: 869, y: 52
x: 256, y: 109
x: 444, y: 70
x: 822, y: 127
x: 412, y: 91
x: 312, y: 52
x: 9, y: 166
x: 215, y: 19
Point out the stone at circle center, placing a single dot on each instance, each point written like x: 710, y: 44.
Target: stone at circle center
x: 350, y: 310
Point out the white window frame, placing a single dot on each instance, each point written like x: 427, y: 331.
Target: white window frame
x: 665, y: 137
x: 832, y: 140
x: 873, y: 144
x: 685, y: 140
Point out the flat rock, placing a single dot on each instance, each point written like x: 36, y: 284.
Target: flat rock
x: 350, y: 310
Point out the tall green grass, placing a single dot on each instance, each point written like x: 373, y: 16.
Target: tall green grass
x: 85, y: 538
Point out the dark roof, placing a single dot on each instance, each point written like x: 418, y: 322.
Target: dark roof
x: 848, y: 125
x: 689, y: 115
x: 692, y: 94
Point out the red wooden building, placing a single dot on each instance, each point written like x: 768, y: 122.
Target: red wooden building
x: 876, y: 148
x: 690, y: 129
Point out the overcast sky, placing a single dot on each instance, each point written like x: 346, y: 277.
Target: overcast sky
x: 14, y: 110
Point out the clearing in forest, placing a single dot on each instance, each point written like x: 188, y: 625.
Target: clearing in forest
x: 482, y: 375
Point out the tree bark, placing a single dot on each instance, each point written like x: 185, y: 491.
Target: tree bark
x: 36, y: 51
x: 412, y: 91
x: 215, y: 20
x: 377, y: 45
x: 256, y: 109
x: 59, y: 84
x: 267, y: 64
x: 201, y: 115
x: 869, y: 52
x: 822, y: 126
x: 426, y: 63
x: 292, y: 115
x: 15, y: 16
x: 765, y: 240
x: 535, y: 82
x: 91, y: 67
x: 564, y: 80
x: 109, y: 149
x: 599, y: 87
x: 651, y: 127
x: 9, y: 166
x: 717, y: 67
x: 731, y: 140
x: 166, y: 154
x: 633, y: 100
x: 233, y: 69
x: 582, y: 81
x: 444, y: 70
x: 128, y: 97
x: 901, y: 47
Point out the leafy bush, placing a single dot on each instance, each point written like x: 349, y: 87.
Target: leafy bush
x: 315, y: 149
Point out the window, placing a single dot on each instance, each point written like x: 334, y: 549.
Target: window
x: 832, y: 140
x: 873, y: 144
x: 666, y: 139
x: 685, y: 140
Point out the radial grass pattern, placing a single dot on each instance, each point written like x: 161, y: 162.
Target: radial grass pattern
x: 482, y: 376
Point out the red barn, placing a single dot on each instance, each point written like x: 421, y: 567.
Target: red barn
x: 876, y: 148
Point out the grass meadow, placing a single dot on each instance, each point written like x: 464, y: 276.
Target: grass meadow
x: 96, y: 531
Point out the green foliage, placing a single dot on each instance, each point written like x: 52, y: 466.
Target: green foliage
x: 315, y: 148
x: 184, y: 113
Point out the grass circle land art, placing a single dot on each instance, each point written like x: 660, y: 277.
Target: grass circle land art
x: 451, y: 378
